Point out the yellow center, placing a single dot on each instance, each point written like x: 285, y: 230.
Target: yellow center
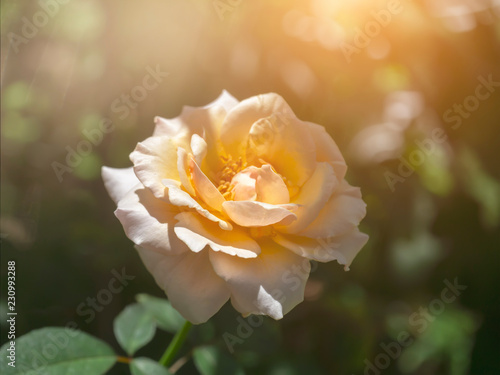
x: 225, y: 175
x: 259, y: 232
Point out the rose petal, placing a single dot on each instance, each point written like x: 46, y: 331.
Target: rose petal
x: 178, y: 197
x: 261, y: 184
x: 148, y: 221
x: 312, y: 197
x: 244, y: 185
x: 258, y: 214
x: 341, y: 214
x: 198, y: 233
x: 118, y: 181
x: 270, y: 187
x: 205, y: 189
x: 225, y: 100
x: 199, y: 148
x: 239, y: 120
x: 175, y: 129
x: 204, y: 121
x: 284, y: 142
x: 271, y: 284
x: 327, y: 150
x: 154, y: 160
x: 182, y: 168
x: 349, y: 244
x: 342, y: 248
x: 189, y: 281
x: 192, y: 119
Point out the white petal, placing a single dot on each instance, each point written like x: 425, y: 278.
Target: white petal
x: 197, y: 233
x: 312, y: 197
x: 271, y: 284
x: 341, y: 214
x: 199, y: 148
x: 225, y: 100
x: 175, y: 129
x: 327, y: 150
x: 189, y: 281
x: 178, y: 197
x: 261, y: 184
x: 239, y: 120
x: 342, y: 248
x: 148, y: 221
x: 284, y: 142
x: 244, y: 185
x: 182, y: 168
x: 258, y: 214
x: 270, y: 187
x: 205, y: 189
x: 154, y: 160
x: 204, y: 121
x: 349, y: 244
x: 118, y: 181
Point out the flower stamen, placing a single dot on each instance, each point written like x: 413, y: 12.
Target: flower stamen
x: 225, y: 175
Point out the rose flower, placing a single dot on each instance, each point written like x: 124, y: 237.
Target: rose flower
x: 232, y: 201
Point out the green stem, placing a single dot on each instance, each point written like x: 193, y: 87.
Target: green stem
x: 175, y: 345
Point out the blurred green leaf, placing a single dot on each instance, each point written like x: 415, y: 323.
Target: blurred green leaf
x: 146, y: 366
x: 448, y: 337
x: 16, y: 96
x: 20, y: 128
x: 413, y: 258
x: 294, y: 366
x: 210, y: 360
x: 89, y: 121
x: 89, y: 167
x: 82, y: 20
x: 391, y: 77
x: 134, y: 327
x: 58, y: 351
x: 481, y: 186
x: 166, y: 317
x: 435, y: 173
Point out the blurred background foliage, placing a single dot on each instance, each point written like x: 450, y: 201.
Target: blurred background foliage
x: 64, y: 74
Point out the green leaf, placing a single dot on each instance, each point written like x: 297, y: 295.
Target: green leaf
x: 57, y: 351
x: 134, y: 328
x: 146, y: 366
x: 210, y: 360
x: 167, y: 318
